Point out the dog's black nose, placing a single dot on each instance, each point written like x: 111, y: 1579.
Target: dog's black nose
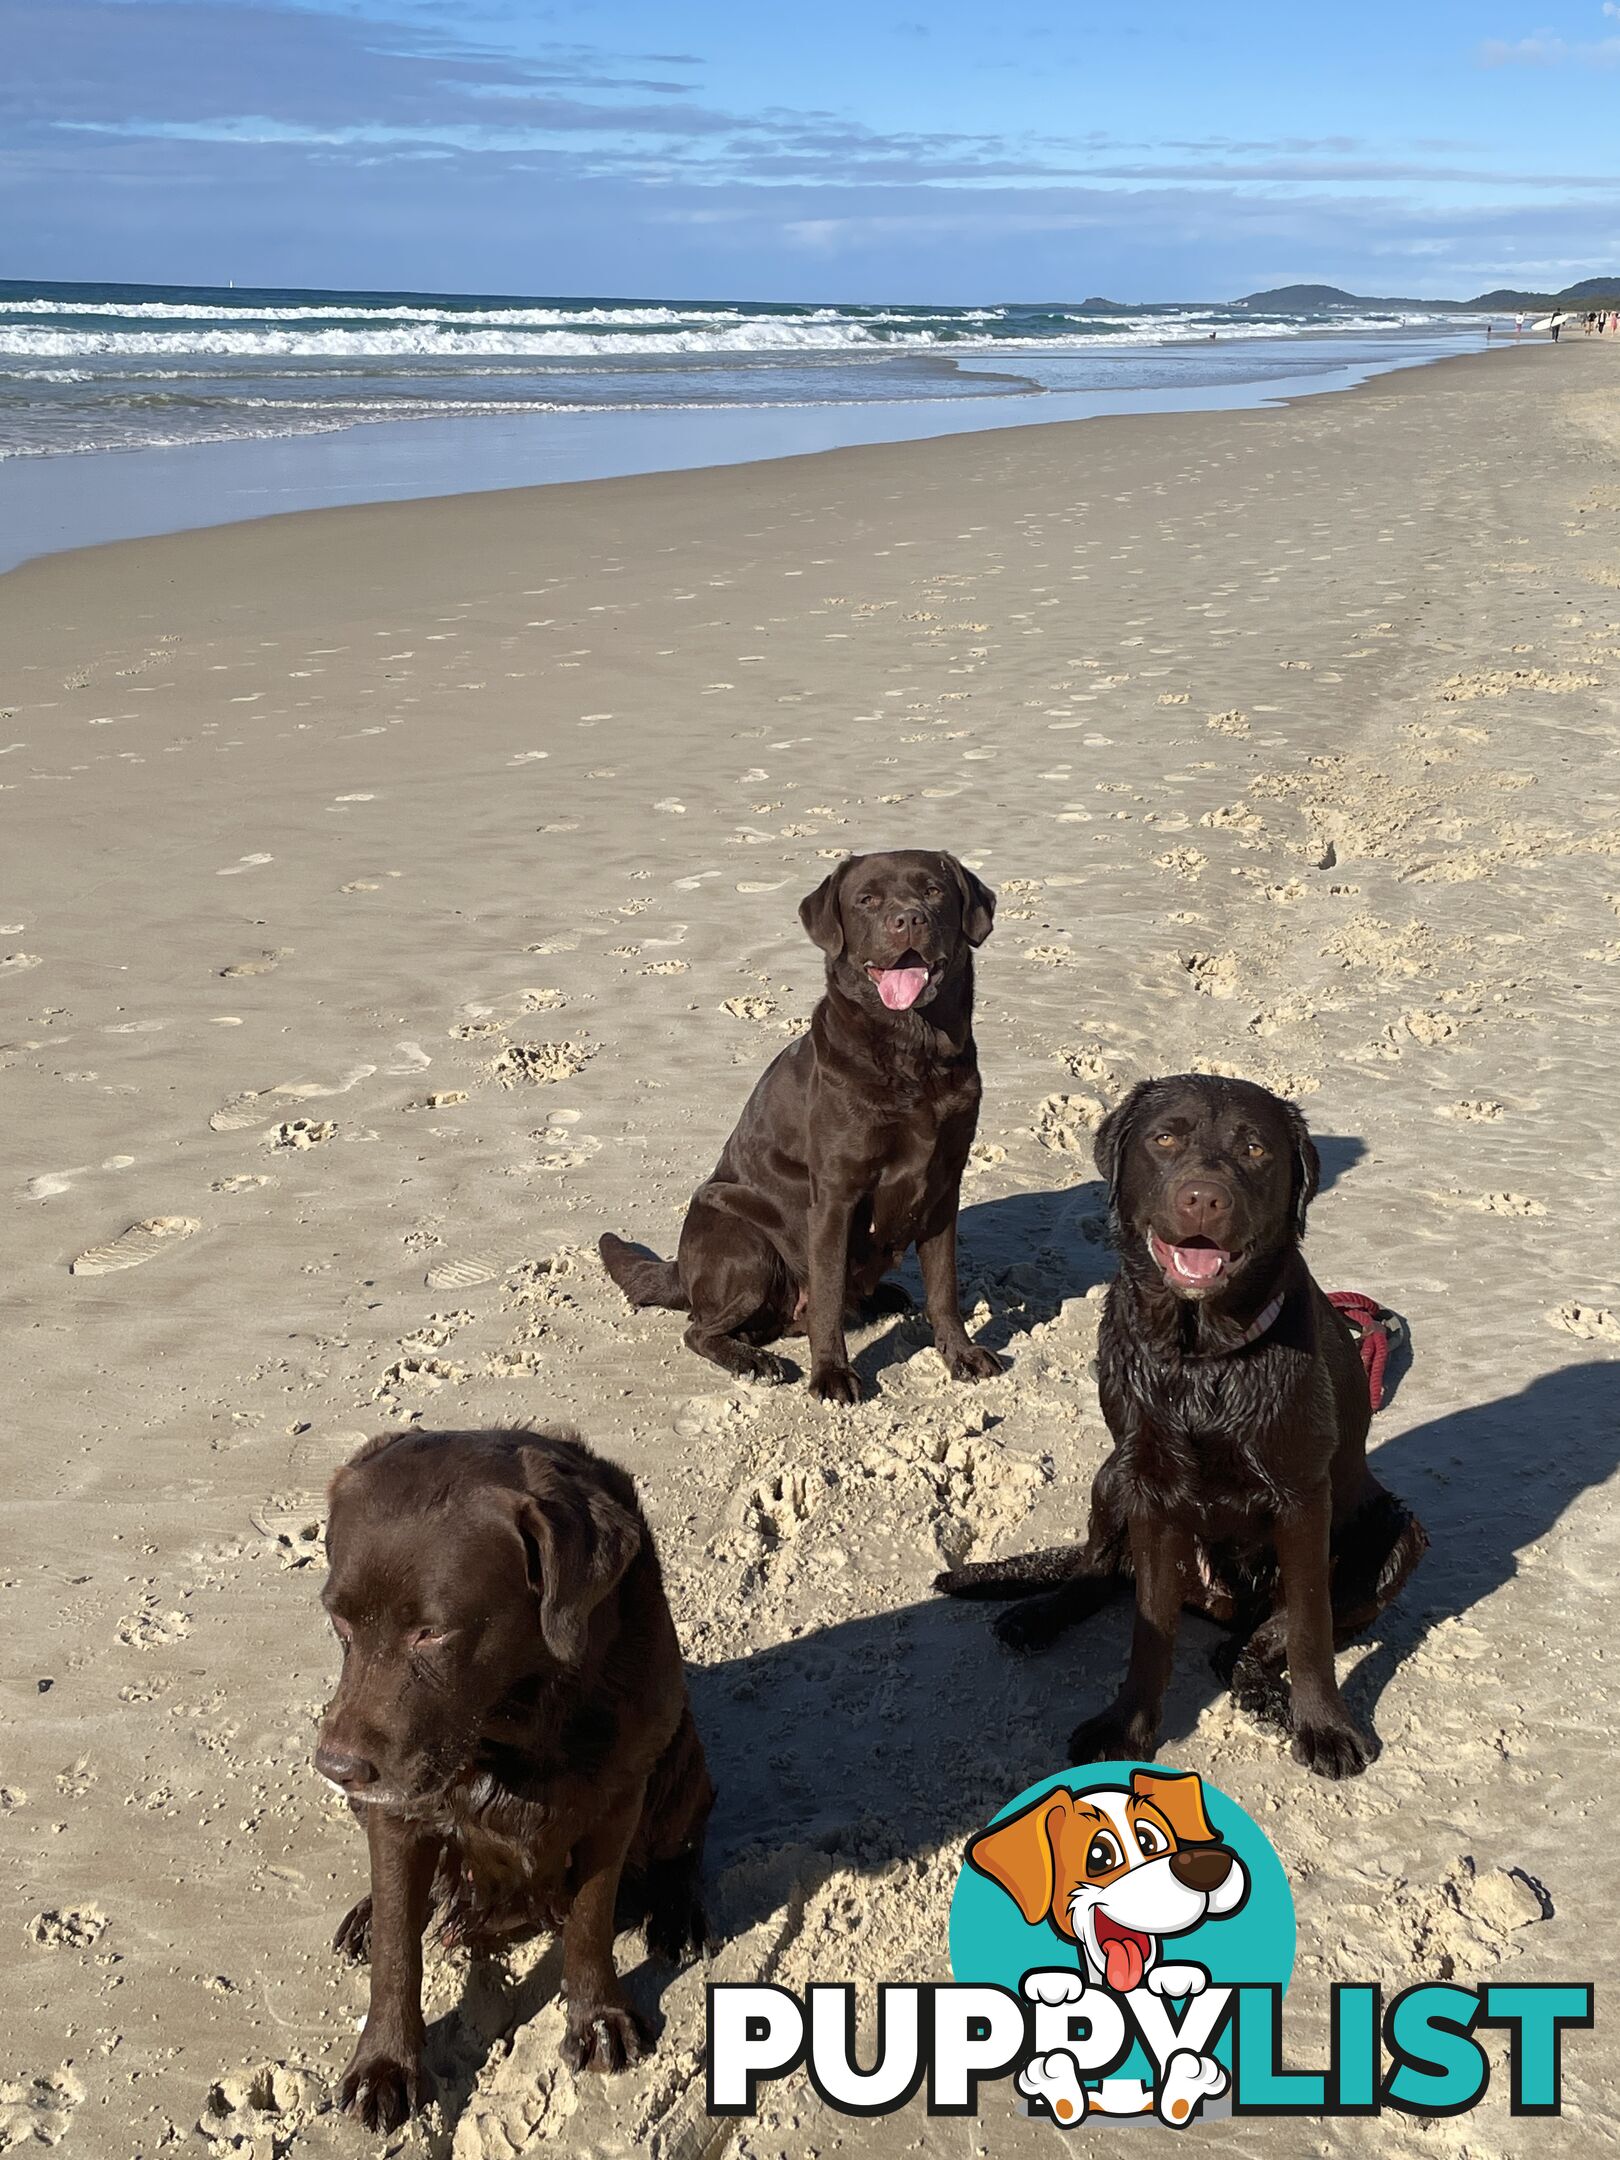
x: 1201, y: 1208
x: 1202, y: 1868
x: 907, y: 923
x: 352, y: 1772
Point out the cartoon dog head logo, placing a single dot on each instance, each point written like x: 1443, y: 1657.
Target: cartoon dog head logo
x: 1116, y: 1871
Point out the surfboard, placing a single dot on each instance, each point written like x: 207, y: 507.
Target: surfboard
x: 1545, y: 322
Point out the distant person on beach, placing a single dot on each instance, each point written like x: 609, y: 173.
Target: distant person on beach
x: 1518, y: 323
x: 1555, y: 326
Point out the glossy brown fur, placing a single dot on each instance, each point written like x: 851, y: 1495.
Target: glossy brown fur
x: 851, y: 1147
x: 1238, y: 1482
x: 512, y: 1728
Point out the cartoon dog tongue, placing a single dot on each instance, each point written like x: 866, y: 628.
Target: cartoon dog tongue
x: 901, y: 987
x: 1123, y: 1957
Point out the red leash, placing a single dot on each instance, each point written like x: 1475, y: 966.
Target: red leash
x: 1374, y: 1329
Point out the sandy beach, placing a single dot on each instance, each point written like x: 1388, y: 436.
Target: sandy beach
x: 394, y: 898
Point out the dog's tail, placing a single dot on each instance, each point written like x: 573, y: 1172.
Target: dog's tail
x: 641, y: 1275
x: 1020, y: 1575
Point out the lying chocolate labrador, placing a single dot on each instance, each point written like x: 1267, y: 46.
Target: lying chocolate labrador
x: 852, y: 1145
x: 1238, y: 1482
x: 511, y: 1726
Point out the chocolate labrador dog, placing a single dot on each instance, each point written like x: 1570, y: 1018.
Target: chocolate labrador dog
x: 852, y: 1145
x: 511, y: 1726
x: 1238, y: 1482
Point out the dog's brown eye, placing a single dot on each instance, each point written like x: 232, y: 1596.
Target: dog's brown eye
x: 1164, y: 1139
x: 868, y: 900
x: 1151, y: 1839
x: 1103, y: 1854
x: 1256, y: 1152
x: 935, y: 892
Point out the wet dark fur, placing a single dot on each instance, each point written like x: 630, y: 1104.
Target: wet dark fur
x: 1238, y: 1484
x: 539, y: 1769
x: 850, y: 1149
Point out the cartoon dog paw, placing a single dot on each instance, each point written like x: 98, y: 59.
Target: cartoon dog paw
x: 1055, y: 2078
x: 1053, y: 1985
x: 1177, y: 1980
x: 1189, y: 2080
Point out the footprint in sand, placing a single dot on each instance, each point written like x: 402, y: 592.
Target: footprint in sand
x: 50, y: 1183
x: 238, y: 1114
x: 463, y: 1274
x: 37, y: 2110
x: 1589, y: 1323
x: 244, y: 862
x: 266, y: 964
x: 301, y: 1132
x: 15, y: 963
x: 141, y: 1242
x: 244, y: 1181
x: 305, y: 1090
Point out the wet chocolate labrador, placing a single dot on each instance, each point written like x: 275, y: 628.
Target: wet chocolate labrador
x: 512, y: 1728
x: 1238, y: 1484
x: 851, y: 1147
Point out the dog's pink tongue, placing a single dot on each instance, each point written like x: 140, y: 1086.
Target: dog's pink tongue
x: 1124, y: 1965
x: 1199, y: 1263
x: 900, y: 988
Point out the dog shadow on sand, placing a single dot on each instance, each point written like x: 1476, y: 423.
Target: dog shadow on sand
x: 877, y: 1742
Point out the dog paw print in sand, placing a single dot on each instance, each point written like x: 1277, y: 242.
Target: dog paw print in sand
x: 1513, y: 1205
x: 301, y: 1132
x: 17, y: 963
x: 261, y: 2110
x: 69, y: 1927
x: 38, y: 2110
x: 1212, y: 974
x: 755, y: 1007
x: 147, y: 1628
x: 1587, y: 1323
x: 1065, y: 1123
x: 540, y: 1064
x: 133, y: 1247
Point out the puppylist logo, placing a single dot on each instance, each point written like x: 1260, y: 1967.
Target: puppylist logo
x: 1121, y: 1939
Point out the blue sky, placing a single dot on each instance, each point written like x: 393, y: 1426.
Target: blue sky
x: 846, y: 149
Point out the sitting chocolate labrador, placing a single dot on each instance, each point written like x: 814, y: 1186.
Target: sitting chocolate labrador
x: 852, y: 1145
x: 512, y: 1727
x: 1238, y: 1482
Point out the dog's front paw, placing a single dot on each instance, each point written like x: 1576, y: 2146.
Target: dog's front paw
x: 763, y: 1368
x: 604, y: 2036
x: 971, y: 1362
x: 383, y: 2087
x: 1336, y: 1750
x: 1108, y: 1737
x: 353, y: 1937
x: 1261, y: 1692
x: 835, y: 1384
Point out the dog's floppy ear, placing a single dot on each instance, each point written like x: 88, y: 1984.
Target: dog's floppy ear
x: 578, y: 1541
x: 1179, y: 1797
x: 1108, y: 1149
x: 978, y: 901
x: 1307, y: 1165
x: 1018, y: 1854
x: 819, y: 911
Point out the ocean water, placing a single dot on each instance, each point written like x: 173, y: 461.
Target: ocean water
x: 123, y: 367
x: 131, y: 410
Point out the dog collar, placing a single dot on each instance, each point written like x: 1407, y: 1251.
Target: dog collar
x: 1264, y: 1319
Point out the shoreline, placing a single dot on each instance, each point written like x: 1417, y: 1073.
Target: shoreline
x: 397, y: 897
x: 61, y: 503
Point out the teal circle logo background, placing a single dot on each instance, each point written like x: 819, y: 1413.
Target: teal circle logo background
x: 991, y: 1942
